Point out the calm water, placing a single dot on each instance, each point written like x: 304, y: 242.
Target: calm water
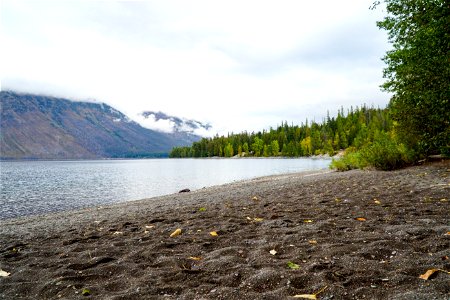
x: 37, y: 187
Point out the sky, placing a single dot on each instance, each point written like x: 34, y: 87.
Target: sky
x: 238, y: 65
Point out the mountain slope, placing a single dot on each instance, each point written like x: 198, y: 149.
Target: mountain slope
x: 41, y: 127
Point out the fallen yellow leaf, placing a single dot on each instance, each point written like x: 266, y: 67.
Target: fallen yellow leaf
x: 361, y: 219
x: 255, y: 198
x: 430, y: 272
x: 258, y: 219
x: 307, y: 221
x: 213, y: 233
x: 195, y: 258
x: 306, y: 296
x: 427, y: 274
x: 176, y: 233
x: 377, y: 201
x: 312, y: 242
x: 311, y: 296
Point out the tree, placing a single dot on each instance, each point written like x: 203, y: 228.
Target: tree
x: 266, y: 151
x: 239, y: 150
x: 258, y: 146
x: 228, y: 150
x: 418, y: 71
x: 306, y: 146
x: 245, y: 148
x: 275, y: 147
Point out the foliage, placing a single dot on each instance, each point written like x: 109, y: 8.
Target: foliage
x: 384, y: 152
x: 354, y: 128
x: 228, y: 150
x: 418, y: 72
x: 351, y: 159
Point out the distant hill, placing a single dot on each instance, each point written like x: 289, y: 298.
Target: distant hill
x: 42, y: 127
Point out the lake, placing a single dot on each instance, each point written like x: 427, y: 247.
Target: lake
x: 38, y: 187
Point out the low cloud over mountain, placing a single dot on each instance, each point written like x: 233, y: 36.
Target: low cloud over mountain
x: 163, y: 122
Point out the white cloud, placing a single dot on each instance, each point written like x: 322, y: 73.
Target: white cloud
x: 240, y: 65
x: 151, y: 123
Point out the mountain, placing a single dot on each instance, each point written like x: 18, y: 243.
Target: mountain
x: 42, y: 127
x: 152, y: 120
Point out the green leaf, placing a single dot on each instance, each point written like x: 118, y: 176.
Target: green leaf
x: 86, y: 292
x: 293, y: 266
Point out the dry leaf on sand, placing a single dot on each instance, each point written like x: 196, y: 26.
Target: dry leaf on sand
x: 430, y: 272
x: 213, y: 233
x: 176, y: 233
x: 361, y: 219
x: 311, y: 296
x: 195, y: 258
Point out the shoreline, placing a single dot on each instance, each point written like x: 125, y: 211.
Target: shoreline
x: 358, y: 233
x: 124, y: 200
x: 157, y: 201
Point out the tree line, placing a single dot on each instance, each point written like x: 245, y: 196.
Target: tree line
x: 353, y: 128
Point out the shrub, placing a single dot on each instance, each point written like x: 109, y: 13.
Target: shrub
x: 384, y: 153
x: 352, y: 159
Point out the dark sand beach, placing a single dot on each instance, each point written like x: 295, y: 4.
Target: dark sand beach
x: 351, y: 235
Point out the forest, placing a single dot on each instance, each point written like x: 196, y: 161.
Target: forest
x: 353, y: 128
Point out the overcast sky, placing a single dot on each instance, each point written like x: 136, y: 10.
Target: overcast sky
x: 240, y: 65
